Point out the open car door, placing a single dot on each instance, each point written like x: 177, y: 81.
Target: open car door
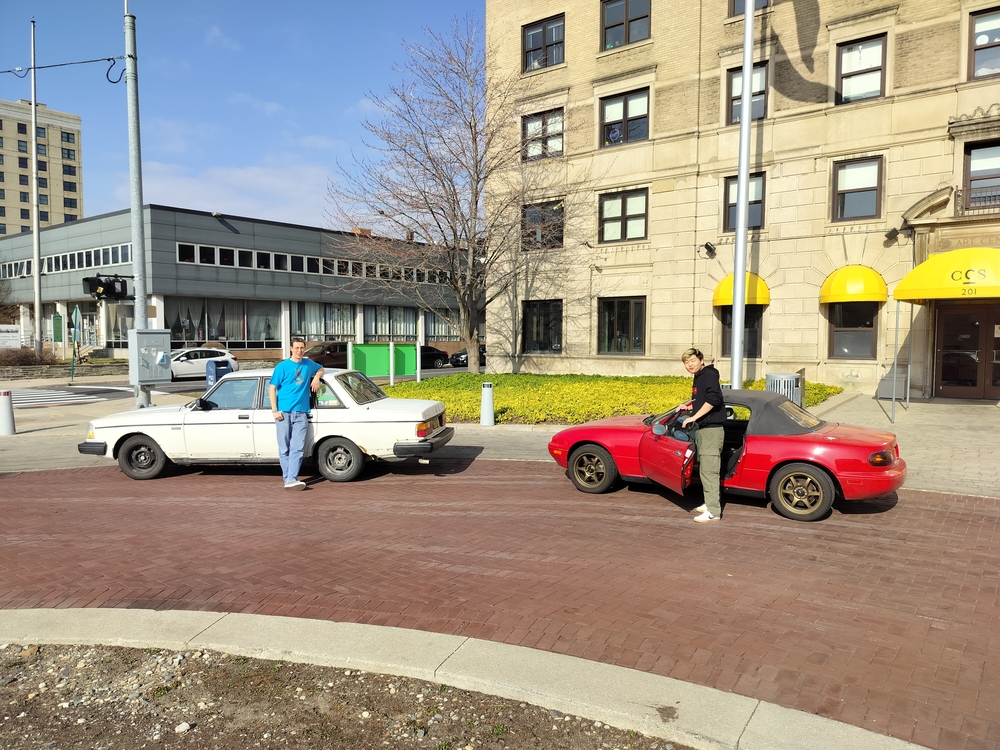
x: 667, y: 458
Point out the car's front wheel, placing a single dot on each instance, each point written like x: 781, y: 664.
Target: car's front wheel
x: 340, y: 460
x: 802, y: 492
x: 592, y: 469
x: 439, y: 362
x: 141, y: 458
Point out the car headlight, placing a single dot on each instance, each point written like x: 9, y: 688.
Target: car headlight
x: 882, y: 458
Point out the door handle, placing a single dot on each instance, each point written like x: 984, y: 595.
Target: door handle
x: 244, y: 416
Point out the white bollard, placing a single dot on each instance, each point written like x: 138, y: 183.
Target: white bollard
x: 7, y: 413
x: 486, y: 407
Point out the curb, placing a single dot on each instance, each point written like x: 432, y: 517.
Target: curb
x: 662, y: 707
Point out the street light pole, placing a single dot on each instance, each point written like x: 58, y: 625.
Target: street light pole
x: 742, y: 201
x: 135, y: 184
x: 36, y: 246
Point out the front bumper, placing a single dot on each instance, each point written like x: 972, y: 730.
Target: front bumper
x: 93, y: 449
x: 438, y: 440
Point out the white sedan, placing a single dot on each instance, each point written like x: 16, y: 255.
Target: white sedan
x: 352, y: 421
x: 191, y: 363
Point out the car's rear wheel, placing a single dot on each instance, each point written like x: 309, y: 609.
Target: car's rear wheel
x: 592, y: 469
x: 802, y: 492
x: 340, y: 460
x: 439, y: 362
x: 141, y: 458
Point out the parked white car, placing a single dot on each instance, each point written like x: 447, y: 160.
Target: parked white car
x: 352, y: 421
x: 191, y: 363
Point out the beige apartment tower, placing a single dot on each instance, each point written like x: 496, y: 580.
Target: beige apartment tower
x: 60, y: 174
x: 875, y: 148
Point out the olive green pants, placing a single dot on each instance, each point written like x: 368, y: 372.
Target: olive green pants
x: 708, y: 441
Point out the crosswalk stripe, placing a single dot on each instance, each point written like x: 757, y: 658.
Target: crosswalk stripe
x: 38, y: 397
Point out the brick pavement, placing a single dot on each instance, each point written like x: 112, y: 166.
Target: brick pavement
x: 883, y: 615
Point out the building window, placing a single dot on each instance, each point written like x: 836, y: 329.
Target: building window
x: 206, y: 255
x: 621, y: 326
x: 69, y: 217
x: 982, y: 176
x: 41, y: 149
x: 43, y: 166
x: 543, y: 135
x: 69, y: 202
x: 22, y: 162
x: 543, y: 43
x: 758, y: 93
x: 42, y: 182
x: 542, y: 327
x: 752, y: 317
x: 227, y: 256
x: 40, y: 132
x: 69, y: 187
x: 69, y: 170
x: 263, y: 261
x: 3, y: 210
x: 1, y: 176
x: 623, y: 216
x: 68, y: 137
x: 1, y: 142
x: 43, y: 199
x: 25, y: 214
x: 857, y: 192
x: 22, y: 128
x: 542, y: 226
x: 69, y: 153
x: 984, y: 50
x: 25, y: 197
x: 624, y: 22
x: 22, y: 146
x: 755, y: 195
x: 244, y: 259
x: 3, y: 229
x: 43, y: 215
x: 852, y: 330
x: 860, y: 67
x: 22, y: 179
x: 185, y: 253
x: 625, y: 118
x: 738, y: 7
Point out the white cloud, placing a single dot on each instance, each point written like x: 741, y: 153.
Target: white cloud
x: 215, y: 38
x: 322, y: 143
x: 294, y: 193
x: 173, y: 136
x: 264, y: 107
x: 363, y: 107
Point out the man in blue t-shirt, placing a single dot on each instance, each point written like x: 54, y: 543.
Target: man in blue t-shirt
x: 291, y: 383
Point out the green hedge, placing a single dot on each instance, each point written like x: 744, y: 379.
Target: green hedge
x: 564, y: 399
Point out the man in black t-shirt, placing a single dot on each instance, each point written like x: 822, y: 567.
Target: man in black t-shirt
x: 709, y: 410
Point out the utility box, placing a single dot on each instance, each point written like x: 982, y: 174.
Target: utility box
x: 148, y: 356
x: 792, y: 385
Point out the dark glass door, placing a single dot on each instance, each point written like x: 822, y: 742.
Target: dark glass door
x: 992, y: 336
x: 961, y: 352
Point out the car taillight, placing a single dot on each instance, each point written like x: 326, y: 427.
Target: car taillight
x: 424, y: 429
x: 882, y: 458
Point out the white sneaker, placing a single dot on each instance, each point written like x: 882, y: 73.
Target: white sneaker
x: 706, y: 517
x: 701, y: 508
x: 295, y: 485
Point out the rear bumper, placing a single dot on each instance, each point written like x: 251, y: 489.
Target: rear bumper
x: 868, y: 485
x: 93, y: 449
x: 424, y: 447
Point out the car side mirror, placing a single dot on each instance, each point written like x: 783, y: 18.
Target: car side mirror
x: 659, y: 429
x: 203, y: 405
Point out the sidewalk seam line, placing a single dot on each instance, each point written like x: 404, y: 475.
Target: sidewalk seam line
x: 212, y: 624
x: 445, y: 659
x: 739, y: 740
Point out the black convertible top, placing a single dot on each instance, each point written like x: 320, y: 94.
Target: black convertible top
x: 772, y: 413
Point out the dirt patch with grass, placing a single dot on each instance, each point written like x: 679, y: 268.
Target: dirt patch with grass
x: 100, y: 697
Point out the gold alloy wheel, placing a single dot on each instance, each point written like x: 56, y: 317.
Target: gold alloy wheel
x: 589, y: 469
x: 802, y: 492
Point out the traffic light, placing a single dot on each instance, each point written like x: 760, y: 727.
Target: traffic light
x: 105, y: 287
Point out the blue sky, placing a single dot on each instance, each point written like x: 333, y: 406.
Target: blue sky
x: 245, y: 106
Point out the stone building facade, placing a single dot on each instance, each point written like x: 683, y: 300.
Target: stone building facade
x: 875, y: 144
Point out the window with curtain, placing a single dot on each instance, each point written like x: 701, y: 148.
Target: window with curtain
x: 437, y: 328
x: 339, y: 321
x: 118, y: 318
x: 308, y: 319
x: 185, y: 317
x: 385, y: 323
x: 621, y: 325
x: 264, y: 321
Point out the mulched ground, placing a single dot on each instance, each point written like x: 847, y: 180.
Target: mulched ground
x: 100, y: 697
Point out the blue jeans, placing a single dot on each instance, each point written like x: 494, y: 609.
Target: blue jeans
x: 291, y: 441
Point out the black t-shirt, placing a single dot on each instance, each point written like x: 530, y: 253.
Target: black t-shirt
x: 706, y: 389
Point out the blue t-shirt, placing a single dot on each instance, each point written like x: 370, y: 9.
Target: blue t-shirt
x: 292, y: 379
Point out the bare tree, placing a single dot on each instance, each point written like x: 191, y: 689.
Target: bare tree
x: 445, y: 200
x: 8, y: 310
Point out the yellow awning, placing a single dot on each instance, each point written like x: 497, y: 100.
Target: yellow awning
x: 853, y: 284
x: 970, y: 273
x: 757, y: 291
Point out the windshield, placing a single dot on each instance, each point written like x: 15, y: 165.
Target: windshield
x: 362, y: 390
x: 318, y: 349
x: 799, y: 415
x: 665, y: 416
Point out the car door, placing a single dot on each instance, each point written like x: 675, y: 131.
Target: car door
x: 181, y: 366
x: 666, y: 460
x: 222, y: 428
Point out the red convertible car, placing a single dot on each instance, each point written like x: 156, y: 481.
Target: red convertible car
x: 772, y: 447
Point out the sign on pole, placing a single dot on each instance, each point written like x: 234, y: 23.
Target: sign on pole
x: 57, y: 329
x: 10, y: 337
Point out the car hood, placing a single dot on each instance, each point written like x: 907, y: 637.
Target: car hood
x: 855, y: 435
x: 151, y: 416
x: 399, y: 410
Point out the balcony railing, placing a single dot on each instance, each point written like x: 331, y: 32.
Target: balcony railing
x: 982, y: 200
